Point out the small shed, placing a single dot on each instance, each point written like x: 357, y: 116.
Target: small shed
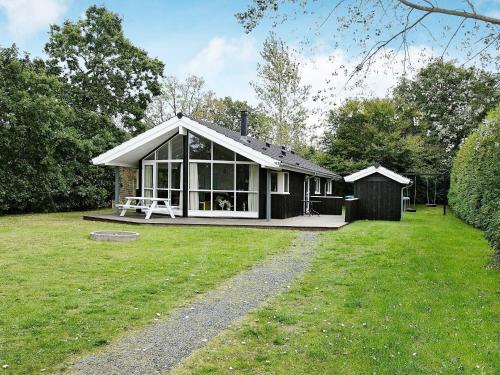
x: 379, y: 192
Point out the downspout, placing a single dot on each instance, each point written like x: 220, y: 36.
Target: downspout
x: 117, y: 189
x: 401, y: 202
x: 268, y: 195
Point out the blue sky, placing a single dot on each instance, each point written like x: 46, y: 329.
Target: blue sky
x: 203, y: 38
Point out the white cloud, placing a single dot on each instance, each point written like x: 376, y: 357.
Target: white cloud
x: 26, y: 17
x: 227, y: 65
x: 328, y: 75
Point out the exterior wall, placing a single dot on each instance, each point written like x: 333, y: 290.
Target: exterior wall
x: 329, y: 205
x: 282, y: 205
x: 127, y: 183
x: 379, y: 198
x: 289, y: 205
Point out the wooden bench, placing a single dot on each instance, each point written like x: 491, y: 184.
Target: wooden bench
x: 149, y: 204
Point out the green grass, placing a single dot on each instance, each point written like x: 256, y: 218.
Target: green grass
x: 383, y: 297
x: 62, y: 294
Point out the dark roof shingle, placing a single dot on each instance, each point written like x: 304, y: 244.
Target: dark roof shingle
x: 288, y: 158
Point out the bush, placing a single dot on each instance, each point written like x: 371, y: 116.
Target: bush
x: 46, y: 146
x: 475, y: 179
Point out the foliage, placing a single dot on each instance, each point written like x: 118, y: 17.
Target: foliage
x: 281, y: 93
x: 387, y: 29
x: 450, y: 100
x: 45, y: 145
x: 189, y: 97
x: 365, y: 132
x: 106, y: 73
x: 192, y: 99
x: 64, y: 295
x: 475, y: 179
x: 410, y: 297
x: 227, y: 112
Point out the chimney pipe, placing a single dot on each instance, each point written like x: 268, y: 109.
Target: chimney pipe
x: 244, y: 124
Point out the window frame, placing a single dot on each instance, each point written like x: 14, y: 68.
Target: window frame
x: 213, y: 192
x: 317, y: 186
x: 328, y: 186
x: 280, y: 183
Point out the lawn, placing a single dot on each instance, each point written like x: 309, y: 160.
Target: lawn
x: 63, y: 294
x: 382, y: 297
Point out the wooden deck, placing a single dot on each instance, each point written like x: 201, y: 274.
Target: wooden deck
x: 323, y: 222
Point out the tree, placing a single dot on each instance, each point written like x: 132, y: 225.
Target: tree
x: 367, y: 132
x: 227, y: 112
x: 448, y: 101
x: 384, y: 28
x: 189, y: 97
x: 105, y: 72
x: 475, y: 179
x: 45, y: 144
x: 281, y: 92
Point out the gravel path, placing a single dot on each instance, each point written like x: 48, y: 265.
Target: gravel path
x: 162, y: 345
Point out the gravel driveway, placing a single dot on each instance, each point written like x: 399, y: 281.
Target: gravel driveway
x: 162, y: 345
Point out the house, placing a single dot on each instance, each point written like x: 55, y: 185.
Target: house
x: 379, y: 193
x: 210, y: 171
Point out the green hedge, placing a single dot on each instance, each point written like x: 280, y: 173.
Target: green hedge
x: 475, y: 179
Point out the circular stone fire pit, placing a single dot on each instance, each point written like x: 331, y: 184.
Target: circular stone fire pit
x: 114, y: 235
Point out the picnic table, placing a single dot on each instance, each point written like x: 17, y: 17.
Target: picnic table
x: 149, y: 204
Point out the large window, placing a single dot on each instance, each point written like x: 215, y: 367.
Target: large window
x: 220, y: 180
x: 162, y: 171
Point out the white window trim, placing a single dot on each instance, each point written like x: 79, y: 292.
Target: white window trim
x: 234, y: 162
x: 281, y: 183
x: 317, y: 185
x: 328, y: 187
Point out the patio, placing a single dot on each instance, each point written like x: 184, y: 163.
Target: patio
x: 323, y: 222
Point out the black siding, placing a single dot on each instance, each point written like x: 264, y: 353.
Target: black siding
x: 379, y: 198
x: 282, y: 205
x: 329, y: 205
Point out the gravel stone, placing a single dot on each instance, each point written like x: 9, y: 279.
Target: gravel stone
x: 159, y: 347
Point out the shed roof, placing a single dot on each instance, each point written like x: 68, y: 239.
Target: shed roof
x: 381, y: 170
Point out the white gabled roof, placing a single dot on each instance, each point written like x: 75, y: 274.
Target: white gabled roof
x: 130, y: 152
x: 381, y: 170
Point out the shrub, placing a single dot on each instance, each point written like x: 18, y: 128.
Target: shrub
x: 475, y: 179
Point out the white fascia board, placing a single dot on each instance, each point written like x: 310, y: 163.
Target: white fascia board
x: 393, y: 175
x: 231, y: 144
x: 108, y: 157
x: 135, y: 142
x: 360, y: 174
x: 383, y: 171
x: 288, y: 167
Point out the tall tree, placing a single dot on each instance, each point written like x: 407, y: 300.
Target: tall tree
x: 378, y: 28
x: 45, y: 144
x: 105, y: 71
x: 189, y: 97
x: 448, y: 101
x: 366, y: 132
x: 281, y: 92
x: 227, y: 112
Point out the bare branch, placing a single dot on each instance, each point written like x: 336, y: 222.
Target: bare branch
x: 375, y: 49
x: 331, y: 12
x: 481, y: 51
x: 451, y: 12
x: 453, y: 36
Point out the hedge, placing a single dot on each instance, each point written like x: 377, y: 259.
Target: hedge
x: 475, y: 179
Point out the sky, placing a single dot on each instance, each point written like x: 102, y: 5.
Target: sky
x: 204, y: 38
